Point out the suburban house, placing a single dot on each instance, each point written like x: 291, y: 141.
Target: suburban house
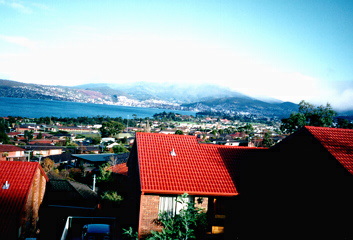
x: 13, y: 135
x: 21, y: 194
x: 27, y: 127
x: 43, y: 150
x: 163, y: 166
x: 94, y: 161
x: 298, y: 189
x: 11, y: 153
x: 111, y: 145
x: 83, y: 149
x: 51, y: 141
x: 64, y: 198
x: 312, y: 183
x: 63, y: 158
x: 77, y: 129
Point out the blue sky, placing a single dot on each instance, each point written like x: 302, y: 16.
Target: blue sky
x: 289, y: 50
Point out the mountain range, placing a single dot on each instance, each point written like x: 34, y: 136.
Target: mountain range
x: 205, y: 98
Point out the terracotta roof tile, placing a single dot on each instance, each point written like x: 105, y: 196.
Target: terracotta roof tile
x: 12, y: 201
x: 198, y: 169
x: 13, y: 133
x: 9, y: 148
x: 120, y: 169
x: 338, y: 142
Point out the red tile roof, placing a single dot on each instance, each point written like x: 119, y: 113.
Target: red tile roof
x: 41, y: 141
x: 338, y: 142
x: 12, y: 201
x: 13, y: 133
x: 119, y: 168
x: 197, y: 169
x: 9, y: 148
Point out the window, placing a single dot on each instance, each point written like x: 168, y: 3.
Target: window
x: 171, y: 206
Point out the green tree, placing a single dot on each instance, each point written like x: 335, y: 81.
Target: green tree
x: 111, y: 128
x: 3, y: 136
x: 110, y: 199
x: 344, y: 123
x: 105, y: 174
x: 267, y: 140
x: 95, y: 139
x: 179, y: 132
x: 76, y: 174
x: 111, y: 196
x: 293, y: 123
x: 40, y: 136
x: 214, y: 132
x: 28, y: 135
x: 119, y: 149
x: 220, y: 131
x: 189, y: 223
x: 322, y: 116
x: 247, y: 128
x: 309, y: 115
x: 47, y: 165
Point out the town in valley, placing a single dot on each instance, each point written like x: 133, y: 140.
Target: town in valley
x: 91, y: 173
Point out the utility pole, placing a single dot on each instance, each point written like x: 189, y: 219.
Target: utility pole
x: 94, y: 183
x: 127, y: 123
x: 28, y: 154
x: 40, y: 157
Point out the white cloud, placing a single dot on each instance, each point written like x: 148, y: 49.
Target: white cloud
x: 40, y: 6
x: 124, y: 59
x: 20, y: 41
x: 24, y: 7
x: 20, y: 7
x: 340, y: 99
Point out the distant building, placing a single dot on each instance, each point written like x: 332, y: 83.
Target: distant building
x: 11, y: 153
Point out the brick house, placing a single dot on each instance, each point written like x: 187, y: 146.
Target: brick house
x: 43, y: 150
x: 312, y: 184
x: 12, y: 135
x: 162, y: 166
x: 11, y: 153
x: 77, y: 129
x: 298, y: 189
x: 21, y: 194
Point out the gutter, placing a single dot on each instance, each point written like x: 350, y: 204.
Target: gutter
x: 173, y: 192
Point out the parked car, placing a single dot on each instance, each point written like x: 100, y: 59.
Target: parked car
x: 96, y: 232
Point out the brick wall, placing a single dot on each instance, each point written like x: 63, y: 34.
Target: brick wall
x: 149, y: 207
x: 203, y: 205
x: 148, y: 212
x: 34, y: 200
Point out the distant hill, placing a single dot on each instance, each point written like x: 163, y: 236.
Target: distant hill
x: 245, y: 106
x: 156, y: 95
x: 177, y: 93
x: 46, y: 92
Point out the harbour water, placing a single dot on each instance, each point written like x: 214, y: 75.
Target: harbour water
x: 34, y: 108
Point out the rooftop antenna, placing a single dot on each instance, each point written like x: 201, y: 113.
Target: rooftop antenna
x: 6, y: 185
x: 173, y: 153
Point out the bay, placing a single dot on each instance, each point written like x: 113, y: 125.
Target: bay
x: 35, y: 108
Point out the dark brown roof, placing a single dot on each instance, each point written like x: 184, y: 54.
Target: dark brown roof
x: 9, y: 148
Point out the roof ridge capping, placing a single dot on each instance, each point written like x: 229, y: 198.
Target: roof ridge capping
x: 327, y: 128
x: 162, y: 134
